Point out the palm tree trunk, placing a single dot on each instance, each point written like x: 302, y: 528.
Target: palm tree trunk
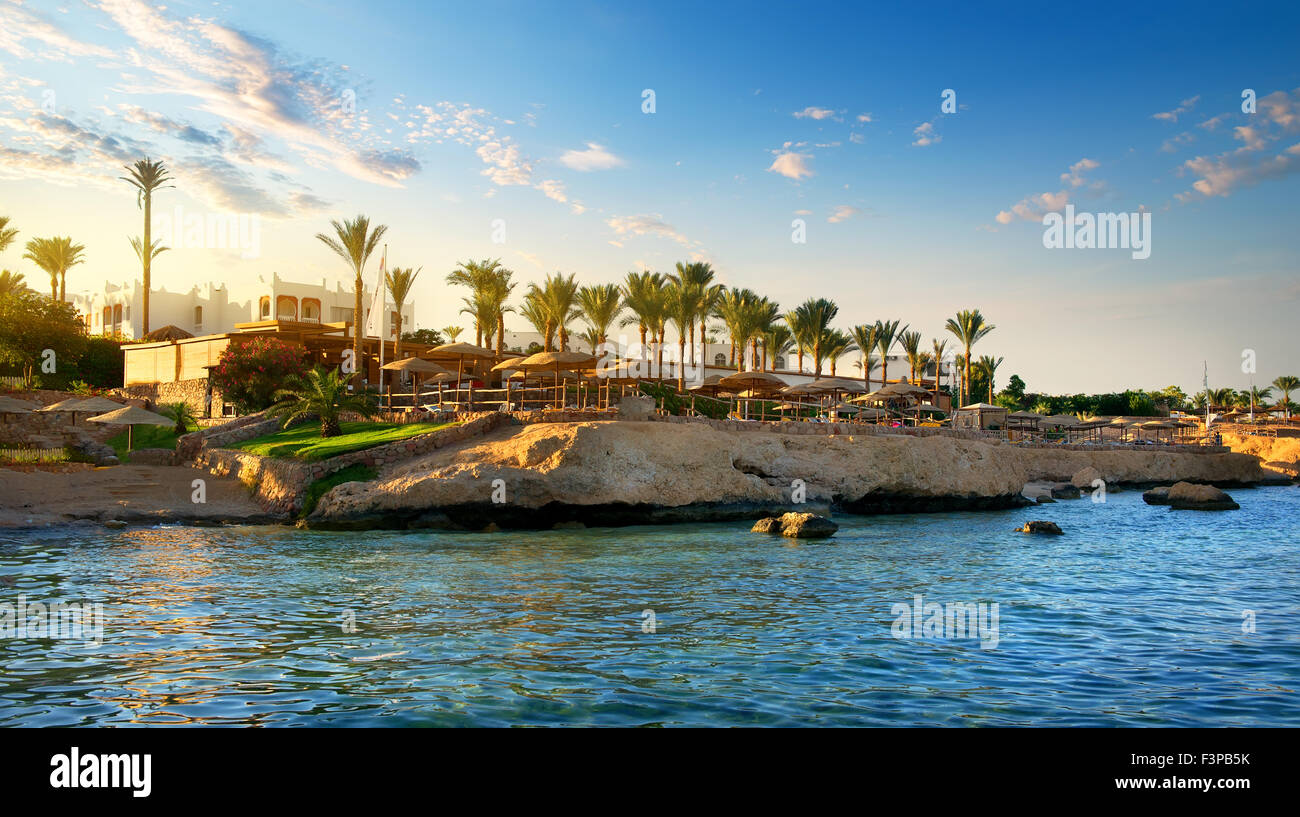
x: 148, y: 261
x: 358, y: 323
x: 501, y: 333
x: 681, y: 363
x: 965, y: 383
x: 63, y: 286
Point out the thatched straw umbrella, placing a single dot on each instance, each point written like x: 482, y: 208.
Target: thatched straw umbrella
x: 458, y: 352
x: 556, y: 361
x: 132, y: 416
x: 168, y: 332
x: 99, y: 405
x: 416, y: 366
x: 756, y: 383
x: 9, y: 405
x: 63, y: 405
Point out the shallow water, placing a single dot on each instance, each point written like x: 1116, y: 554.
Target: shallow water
x: 1134, y: 617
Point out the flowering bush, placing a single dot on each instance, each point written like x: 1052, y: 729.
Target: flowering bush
x: 250, y: 371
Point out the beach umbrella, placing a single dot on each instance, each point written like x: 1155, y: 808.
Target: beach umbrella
x: 508, y: 363
x: 555, y: 361
x: 99, y: 405
x: 458, y: 352
x: 62, y: 405
x: 800, y: 388
x: 417, y: 367
x: 132, y: 416
x: 168, y: 332
x: 9, y: 405
x: 1061, y: 420
x: 753, y: 382
x: 926, y: 408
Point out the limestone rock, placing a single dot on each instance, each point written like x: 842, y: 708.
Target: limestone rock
x: 807, y: 526
x: 153, y: 456
x: 1065, y: 490
x: 1044, y: 500
x: 1156, y: 496
x: 1084, y: 478
x: 1041, y: 526
x: 1185, y: 496
x: 636, y: 408
x: 768, y: 524
x: 114, y: 524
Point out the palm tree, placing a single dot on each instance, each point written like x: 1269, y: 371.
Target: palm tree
x: 886, y: 333
x: 399, y: 282
x: 1223, y: 398
x: 799, y: 330
x: 683, y: 308
x: 452, y: 332
x: 155, y: 249
x: 765, y: 315
x: 147, y: 176
x: 939, y: 347
x: 911, y: 343
x: 481, y: 306
x: 700, y: 274
x: 7, y: 233
x: 969, y: 327
x: 837, y: 344
x: 1286, y: 384
x: 180, y: 412
x: 480, y: 277
x: 643, y: 295
x: 989, y: 367
x: 321, y: 392
x: 534, y: 311
x: 778, y: 340
x: 55, y: 255
x: 12, y: 283
x: 560, y: 295
x: 815, y: 316
x: 864, y: 337
x: 354, y: 241
x: 1254, y: 397
x: 731, y: 308
x: 601, y: 305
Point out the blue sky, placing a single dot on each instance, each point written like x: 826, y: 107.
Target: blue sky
x: 764, y: 113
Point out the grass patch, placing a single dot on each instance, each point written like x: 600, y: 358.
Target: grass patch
x: 318, y: 489
x: 147, y: 437
x: 304, y: 442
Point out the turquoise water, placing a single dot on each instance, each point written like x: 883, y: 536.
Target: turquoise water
x: 1133, y: 618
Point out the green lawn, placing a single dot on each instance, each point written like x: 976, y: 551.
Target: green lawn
x: 353, y: 473
x: 146, y: 437
x: 304, y: 442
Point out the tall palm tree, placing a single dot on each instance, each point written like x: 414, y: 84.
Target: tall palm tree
x: 399, y: 282
x: 699, y: 273
x: 1253, y: 397
x: 601, y: 305
x: 452, y: 332
x: 938, y: 348
x: 644, y: 298
x: 1223, y: 398
x: 146, y: 176
x: 887, y: 332
x: 1286, y: 384
x: 911, y: 343
x: 55, y: 256
x: 534, y: 310
x: 12, y: 283
x: 481, y: 306
x: 732, y: 309
x: 815, y: 316
x: 485, y: 280
x: 799, y: 331
x: 321, y: 392
x: 988, y: 366
x: 684, y: 298
x: 778, y: 340
x: 837, y: 344
x: 354, y: 241
x: 7, y: 233
x: 766, y: 314
x: 864, y: 337
x: 969, y: 326
x: 560, y: 295
x: 155, y: 249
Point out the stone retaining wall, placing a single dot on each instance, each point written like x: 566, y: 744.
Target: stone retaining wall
x: 193, y: 392
x: 280, y: 485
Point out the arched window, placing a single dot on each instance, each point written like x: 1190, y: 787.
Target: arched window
x: 311, y: 310
x: 108, y: 319
x: 198, y: 317
x: 780, y: 362
x: 719, y: 359
x: 286, y: 308
x: 264, y: 308
x: 117, y: 318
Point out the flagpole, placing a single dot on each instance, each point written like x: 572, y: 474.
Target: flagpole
x: 383, y: 315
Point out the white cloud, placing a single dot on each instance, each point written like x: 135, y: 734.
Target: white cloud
x: 814, y: 113
x: 925, y: 135
x: 792, y: 165
x: 643, y: 225
x: 1183, y: 107
x: 843, y: 212
x: 595, y: 157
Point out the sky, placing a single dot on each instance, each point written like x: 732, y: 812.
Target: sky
x: 525, y: 132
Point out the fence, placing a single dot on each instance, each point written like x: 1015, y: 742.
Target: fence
x: 33, y: 455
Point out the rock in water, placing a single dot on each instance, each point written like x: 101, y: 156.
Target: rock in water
x: 1186, y: 496
x: 1044, y: 500
x: 1064, y: 490
x: 1083, y: 479
x: 768, y: 524
x: 1041, y: 526
x: 1157, y: 496
x: 807, y: 526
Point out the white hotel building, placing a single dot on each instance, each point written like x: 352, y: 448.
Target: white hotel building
x: 215, y: 308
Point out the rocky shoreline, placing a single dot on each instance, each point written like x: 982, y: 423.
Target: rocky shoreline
x: 545, y: 475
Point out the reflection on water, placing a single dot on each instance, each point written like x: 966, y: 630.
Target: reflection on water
x: 1133, y: 618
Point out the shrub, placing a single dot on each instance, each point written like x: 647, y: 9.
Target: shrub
x: 250, y: 371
